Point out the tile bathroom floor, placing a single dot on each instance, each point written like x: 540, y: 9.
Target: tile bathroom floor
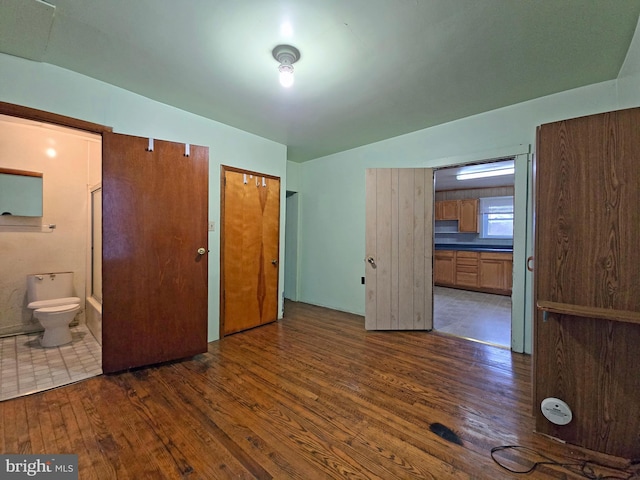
x: 479, y: 316
x: 26, y: 367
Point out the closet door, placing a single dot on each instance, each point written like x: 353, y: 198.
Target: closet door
x: 250, y: 240
x: 399, y: 249
x: 587, y: 282
x: 155, y: 210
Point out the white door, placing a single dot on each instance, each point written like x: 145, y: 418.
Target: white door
x: 399, y: 249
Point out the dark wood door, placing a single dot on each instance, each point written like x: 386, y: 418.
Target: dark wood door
x: 249, y: 249
x: 155, y: 214
x: 587, y: 282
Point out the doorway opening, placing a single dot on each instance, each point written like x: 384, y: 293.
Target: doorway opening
x: 55, y: 240
x: 473, y: 251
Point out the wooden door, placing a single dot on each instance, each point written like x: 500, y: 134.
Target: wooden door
x: 155, y: 213
x: 249, y: 249
x: 587, y: 286
x: 399, y: 249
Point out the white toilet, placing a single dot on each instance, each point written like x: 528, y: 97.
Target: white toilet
x: 50, y: 297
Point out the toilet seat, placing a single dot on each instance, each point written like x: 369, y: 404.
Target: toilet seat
x: 55, y: 302
x: 57, y: 308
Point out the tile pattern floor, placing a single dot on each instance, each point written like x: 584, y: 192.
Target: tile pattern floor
x: 26, y: 367
x: 475, y: 315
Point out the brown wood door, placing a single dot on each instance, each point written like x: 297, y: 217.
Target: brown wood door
x: 250, y: 239
x: 399, y: 249
x: 587, y: 285
x: 155, y: 214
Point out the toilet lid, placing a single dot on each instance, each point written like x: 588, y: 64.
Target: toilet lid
x: 58, y: 308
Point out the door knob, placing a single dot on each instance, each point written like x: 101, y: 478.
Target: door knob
x: 274, y: 262
x: 202, y: 251
x: 372, y: 261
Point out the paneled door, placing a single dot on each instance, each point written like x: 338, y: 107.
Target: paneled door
x: 399, y: 249
x: 155, y: 215
x: 250, y: 239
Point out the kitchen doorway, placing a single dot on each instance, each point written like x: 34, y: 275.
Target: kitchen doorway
x: 473, y: 251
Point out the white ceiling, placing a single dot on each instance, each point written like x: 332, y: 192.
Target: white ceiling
x: 369, y: 69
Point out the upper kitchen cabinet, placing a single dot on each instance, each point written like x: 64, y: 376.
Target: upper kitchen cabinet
x: 468, y: 218
x: 447, y: 210
x: 464, y: 211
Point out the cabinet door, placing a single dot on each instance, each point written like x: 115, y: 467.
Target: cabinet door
x: 492, y: 274
x: 496, y: 271
x: 467, y: 269
x: 468, y: 215
x: 450, y: 209
x: 437, y: 212
x: 444, y: 267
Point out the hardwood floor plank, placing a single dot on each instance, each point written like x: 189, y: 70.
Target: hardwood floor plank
x: 313, y: 396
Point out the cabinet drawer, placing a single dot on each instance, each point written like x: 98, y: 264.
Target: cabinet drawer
x: 496, y: 256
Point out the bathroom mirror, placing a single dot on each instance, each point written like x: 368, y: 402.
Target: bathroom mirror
x: 20, y: 193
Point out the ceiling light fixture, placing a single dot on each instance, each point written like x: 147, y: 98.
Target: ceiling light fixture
x: 486, y: 173
x: 286, y: 55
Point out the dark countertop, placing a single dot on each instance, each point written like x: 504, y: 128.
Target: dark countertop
x: 474, y: 248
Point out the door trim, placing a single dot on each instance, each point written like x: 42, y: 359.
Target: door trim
x: 20, y: 111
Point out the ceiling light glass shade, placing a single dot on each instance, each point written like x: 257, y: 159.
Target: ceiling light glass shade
x: 286, y: 75
x: 486, y: 173
x: 286, y: 55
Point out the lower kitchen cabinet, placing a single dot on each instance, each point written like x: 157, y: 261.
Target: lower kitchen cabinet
x: 496, y: 271
x: 489, y: 272
x: 444, y: 267
x: 466, y: 269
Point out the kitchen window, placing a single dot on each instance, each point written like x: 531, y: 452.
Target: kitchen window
x: 496, y: 217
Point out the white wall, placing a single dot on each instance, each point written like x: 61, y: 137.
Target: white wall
x: 30, y: 248
x: 61, y: 91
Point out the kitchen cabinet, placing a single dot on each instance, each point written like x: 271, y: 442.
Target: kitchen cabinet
x: 496, y: 271
x: 444, y: 267
x: 468, y: 216
x: 447, y: 210
x: 489, y: 272
x: 466, y: 269
x: 464, y: 211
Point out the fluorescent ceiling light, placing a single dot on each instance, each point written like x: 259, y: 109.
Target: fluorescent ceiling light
x: 486, y: 173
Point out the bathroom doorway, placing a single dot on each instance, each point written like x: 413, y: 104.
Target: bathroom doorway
x: 55, y: 241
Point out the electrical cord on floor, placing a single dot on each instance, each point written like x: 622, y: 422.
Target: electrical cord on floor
x: 586, y: 468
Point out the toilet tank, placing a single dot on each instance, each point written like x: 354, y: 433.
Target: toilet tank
x: 46, y: 286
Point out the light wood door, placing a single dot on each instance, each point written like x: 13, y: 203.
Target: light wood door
x: 587, y: 287
x: 250, y: 249
x: 155, y: 209
x: 399, y: 249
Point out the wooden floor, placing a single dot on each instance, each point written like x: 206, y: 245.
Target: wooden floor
x: 312, y: 396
